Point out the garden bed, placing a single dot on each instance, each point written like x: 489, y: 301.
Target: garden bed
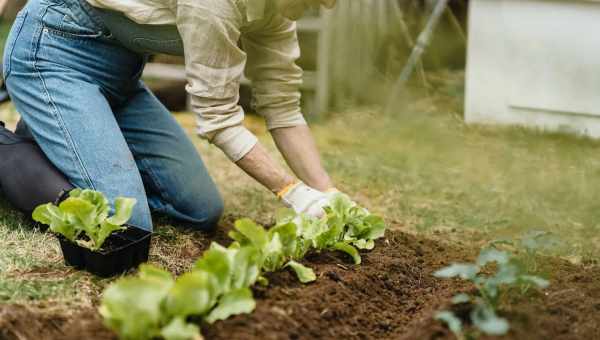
x: 392, y: 295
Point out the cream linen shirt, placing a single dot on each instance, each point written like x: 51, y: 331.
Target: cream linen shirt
x: 211, y: 31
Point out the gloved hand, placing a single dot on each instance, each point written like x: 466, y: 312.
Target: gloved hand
x: 306, y: 200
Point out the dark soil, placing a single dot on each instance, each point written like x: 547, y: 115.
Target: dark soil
x: 392, y: 295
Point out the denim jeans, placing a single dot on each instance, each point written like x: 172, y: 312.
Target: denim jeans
x: 80, y: 93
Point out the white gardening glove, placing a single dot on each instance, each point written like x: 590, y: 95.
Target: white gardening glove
x: 306, y: 200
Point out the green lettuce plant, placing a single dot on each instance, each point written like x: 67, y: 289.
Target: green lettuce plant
x: 359, y: 227
x: 279, y: 247
x: 154, y: 304
x: 346, y: 227
x: 85, y: 213
x: 491, y: 287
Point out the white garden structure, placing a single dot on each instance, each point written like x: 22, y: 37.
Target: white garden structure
x: 535, y: 63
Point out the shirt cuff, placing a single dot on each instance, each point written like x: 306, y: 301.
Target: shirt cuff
x: 284, y: 119
x: 235, y: 141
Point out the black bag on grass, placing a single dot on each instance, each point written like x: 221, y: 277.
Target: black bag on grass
x: 27, y: 178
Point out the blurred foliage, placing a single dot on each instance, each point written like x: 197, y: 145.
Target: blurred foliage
x: 4, y: 29
x: 370, y: 42
x: 375, y: 38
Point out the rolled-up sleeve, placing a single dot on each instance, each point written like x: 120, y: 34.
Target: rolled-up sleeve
x: 272, y: 53
x: 214, y: 66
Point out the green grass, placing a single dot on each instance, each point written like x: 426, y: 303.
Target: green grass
x: 426, y: 169
x: 4, y: 30
x: 422, y: 168
x: 31, y: 266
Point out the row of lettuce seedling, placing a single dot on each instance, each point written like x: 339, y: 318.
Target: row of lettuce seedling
x: 154, y: 304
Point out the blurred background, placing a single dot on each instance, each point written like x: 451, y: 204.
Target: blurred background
x: 353, y: 54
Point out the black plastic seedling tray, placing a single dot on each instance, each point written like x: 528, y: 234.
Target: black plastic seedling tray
x: 121, y: 252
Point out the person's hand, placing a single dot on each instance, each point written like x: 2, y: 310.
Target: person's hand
x: 306, y: 200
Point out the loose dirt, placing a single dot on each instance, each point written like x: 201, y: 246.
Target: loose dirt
x: 392, y: 295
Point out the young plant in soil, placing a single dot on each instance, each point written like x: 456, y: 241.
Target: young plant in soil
x: 279, y: 247
x: 346, y: 227
x: 83, y: 218
x: 154, y: 304
x: 491, y: 287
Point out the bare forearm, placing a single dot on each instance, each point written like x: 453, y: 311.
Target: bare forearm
x: 259, y: 165
x: 299, y: 149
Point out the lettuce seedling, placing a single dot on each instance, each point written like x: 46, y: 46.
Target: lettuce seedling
x: 236, y: 269
x: 346, y: 227
x: 490, y: 288
x: 219, y: 284
x: 154, y: 304
x: 85, y: 213
x: 361, y: 228
x: 279, y: 247
x: 134, y: 306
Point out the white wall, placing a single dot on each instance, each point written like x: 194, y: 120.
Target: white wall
x: 535, y: 63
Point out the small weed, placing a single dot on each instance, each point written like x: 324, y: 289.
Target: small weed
x: 490, y: 287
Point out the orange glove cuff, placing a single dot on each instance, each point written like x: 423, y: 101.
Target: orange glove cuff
x: 287, y: 189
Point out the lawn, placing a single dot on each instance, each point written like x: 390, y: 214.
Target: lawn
x: 421, y: 168
x: 4, y: 29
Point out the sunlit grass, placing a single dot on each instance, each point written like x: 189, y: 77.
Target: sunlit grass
x: 31, y: 264
x: 426, y: 169
x: 4, y: 30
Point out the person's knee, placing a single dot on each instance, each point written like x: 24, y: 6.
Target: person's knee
x: 213, y: 213
x: 201, y: 215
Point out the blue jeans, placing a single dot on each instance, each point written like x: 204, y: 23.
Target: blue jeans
x: 80, y: 93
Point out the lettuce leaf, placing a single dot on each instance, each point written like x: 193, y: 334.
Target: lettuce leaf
x: 132, y: 306
x: 350, y: 250
x: 305, y: 274
x: 85, y: 212
x: 193, y: 293
x: 239, y: 301
x: 179, y: 329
